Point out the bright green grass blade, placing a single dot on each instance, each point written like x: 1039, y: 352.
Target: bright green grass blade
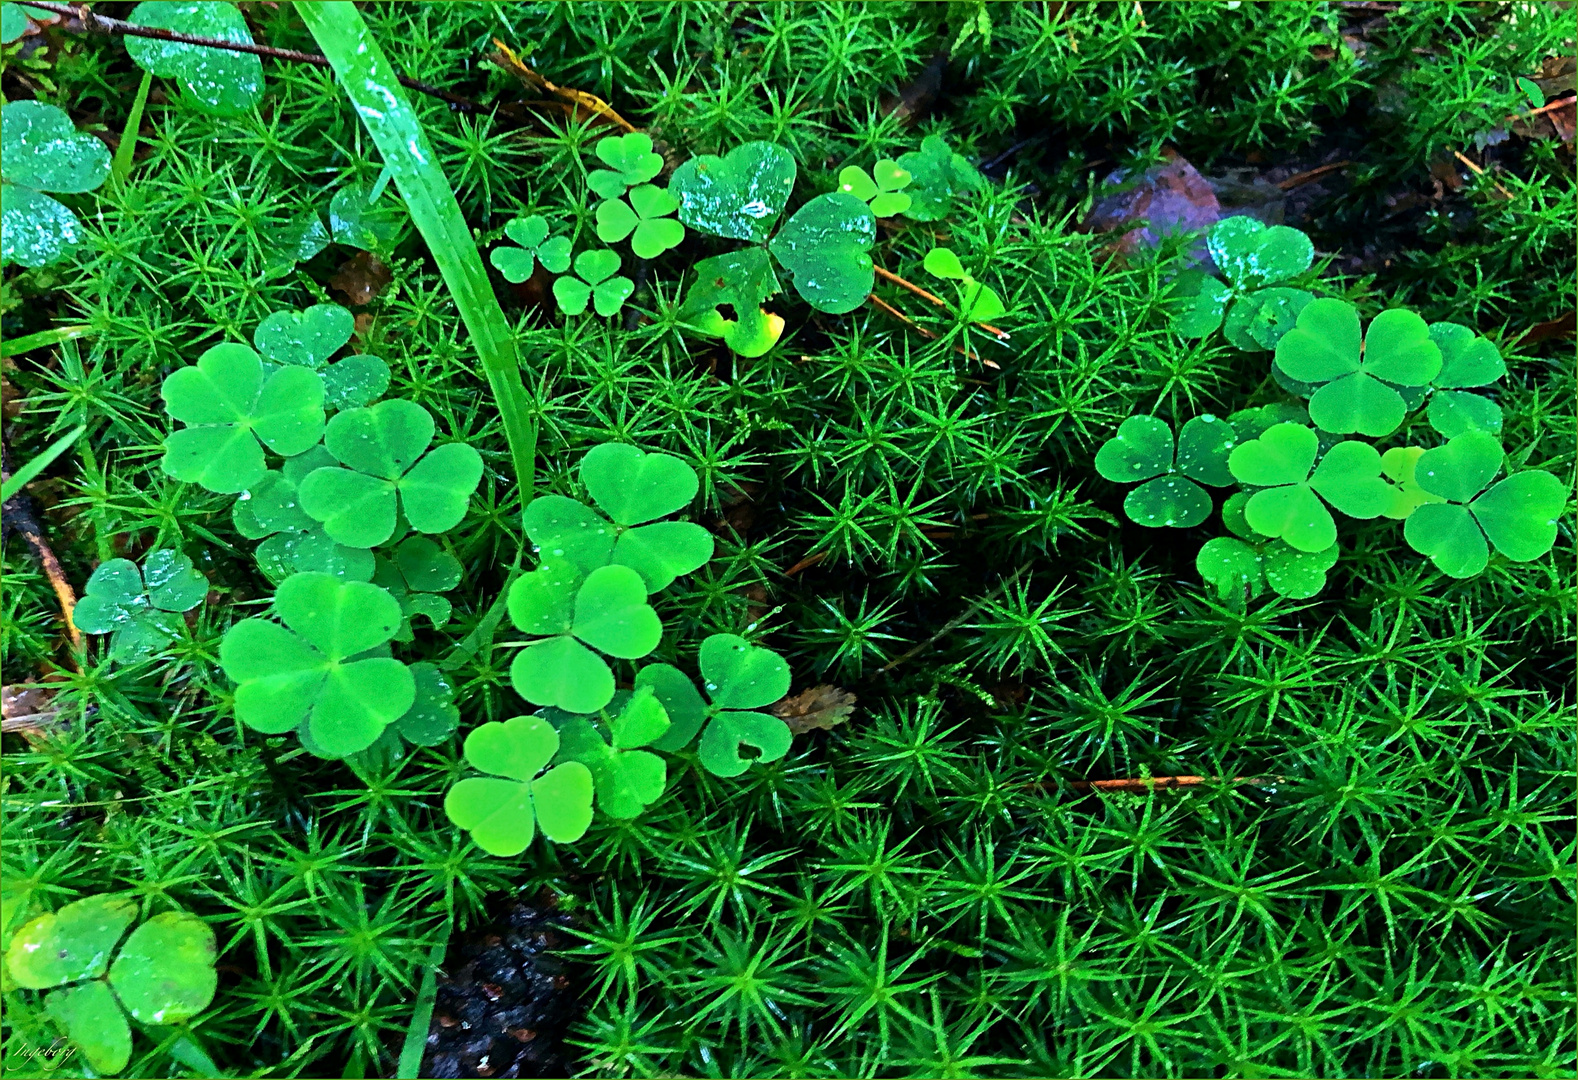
x: 18, y: 346
x: 421, y: 1016
x: 15, y: 482
x: 370, y: 82
x: 121, y: 167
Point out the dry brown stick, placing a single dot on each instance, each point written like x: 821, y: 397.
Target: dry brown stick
x: 103, y: 24
x: 1300, y: 179
x: 1478, y: 170
x: 954, y: 624
x: 1158, y: 783
x: 1550, y: 106
x: 506, y: 59
x: 888, y: 275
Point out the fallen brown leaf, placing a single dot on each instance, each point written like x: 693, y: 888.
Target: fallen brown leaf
x: 817, y: 709
x: 361, y: 278
x: 26, y: 708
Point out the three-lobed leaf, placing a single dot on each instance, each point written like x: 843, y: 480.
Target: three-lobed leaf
x: 503, y: 814
x: 139, y: 608
x: 43, y: 151
x: 739, y: 280
x: 1356, y: 378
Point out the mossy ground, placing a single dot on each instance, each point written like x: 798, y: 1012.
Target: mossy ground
x: 921, y: 892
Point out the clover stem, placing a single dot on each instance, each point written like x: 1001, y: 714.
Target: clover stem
x: 888, y: 275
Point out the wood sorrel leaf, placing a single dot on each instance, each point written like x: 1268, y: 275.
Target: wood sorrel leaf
x: 218, y: 81
x: 70, y: 944
x: 1295, y: 574
x: 1282, y: 454
x: 307, y: 338
x: 563, y: 673
x: 1204, y: 444
x: 518, y: 748
x: 1349, y: 478
x: 739, y: 280
x: 1519, y: 515
x: 739, y: 195
x: 433, y: 715
x: 1250, y: 254
x: 94, y: 1023
x: 681, y: 702
x: 1231, y: 566
x: 739, y: 675
x: 44, y: 151
x: 1448, y: 535
x: 1452, y: 412
x: 1460, y: 470
x: 729, y: 731
x: 633, y: 486
x: 1142, y: 448
x: 1168, y: 501
x: 164, y: 974
x: 612, y: 614
x: 824, y: 248
x: 663, y: 551
x: 631, y: 157
x: 565, y: 529
x: 938, y: 177
x: 1198, y: 301
x: 1467, y: 359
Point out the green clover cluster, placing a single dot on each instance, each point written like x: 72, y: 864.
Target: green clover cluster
x: 587, y: 605
x: 140, y: 609
x: 1253, y: 258
x: 162, y: 974
x: 42, y: 151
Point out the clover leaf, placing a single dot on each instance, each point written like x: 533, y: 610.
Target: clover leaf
x: 1249, y: 562
x: 1467, y: 361
x: 309, y: 338
x: 738, y: 676
x: 824, y: 247
x: 1257, y: 322
x: 627, y: 779
x: 386, y: 472
x: 531, y: 233
x: 1399, y: 465
x: 359, y: 220
x: 41, y: 150
x: 1251, y: 257
x: 163, y: 973
x: 433, y: 715
x: 938, y: 177
x: 630, y: 160
x: 739, y: 280
x: 883, y: 193
x: 417, y: 573
x: 1289, y: 505
x: 139, y: 609
x: 1516, y: 516
x: 593, y: 283
x: 270, y: 510
x: 1143, y: 450
x: 229, y: 408
x: 313, y: 672
x: 977, y: 302
x: 502, y: 815
x: 605, y: 609
x: 13, y: 23
x: 217, y: 81
x: 1356, y: 381
x: 633, y: 488
x: 645, y: 216
x: 1252, y: 423
x: 738, y: 196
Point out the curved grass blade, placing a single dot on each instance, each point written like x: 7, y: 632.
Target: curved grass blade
x: 17, y: 480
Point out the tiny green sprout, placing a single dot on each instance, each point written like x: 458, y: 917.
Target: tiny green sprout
x: 824, y: 247
x: 316, y: 674
x: 1248, y: 562
x: 938, y: 177
x: 270, y: 510
x: 1468, y: 361
x: 630, y: 160
x: 738, y: 196
x: 13, y: 23
x: 229, y: 408
x: 536, y: 246
x: 738, y: 676
x: 417, y: 572
x: 644, y: 218
x: 1251, y: 257
x: 1356, y: 379
x: 977, y: 302
x: 140, y: 609
x: 1289, y: 505
x: 605, y: 609
x: 593, y: 282
x: 740, y: 280
x: 627, y: 778
x: 215, y: 80
x: 309, y: 338
x: 881, y: 189
x: 1170, y: 496
x: 163, y: 973
x: 633, y: 488
x: 1531, y: 91
x: 358, y: 220
x: 503, y: 815
x: 383, y: 449
x: 1516, y: 516
x: 40, y: 150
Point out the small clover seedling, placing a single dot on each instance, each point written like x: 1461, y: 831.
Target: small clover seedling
x: 229, y: 409
x: 627, y: 779
x: 388, y: 470
x: 1251, y: 257
x: 606, y: 609
x: 738, y: 676
x: 630, y: 160
x: 633, y: 488
x: 938, y: 177
x: 531, y: 233
x: 883, y: 191
x: 1467, y: 361
x: 1516, y: 516
x: 315, y: 673
x: 41, y: 150
x: 824, y: 247
x: 139, y: 609
x: 309, y: 338
x: 293, y: 543
x: 503, y: 815
x: 644, y: 219
x: 1252, y: 562
x: 593, y: 282
x: 738, y: 196
x: 163, y: 974
x: 1355, y: 378
x: 217, y: 81
x: 739, y: 280
x: 1289, y: 506
x: 977, y: 302
x: 1143, y: 450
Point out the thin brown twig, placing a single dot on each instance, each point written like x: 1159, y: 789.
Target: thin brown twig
x: 1300, y: 179
x: 1480, y: 171
x: 1159, y: 783
x: 888, y: 275
x: 103, y: 24
x: 954, y: 624
x: 1549, y: 106
x: 883, y: 305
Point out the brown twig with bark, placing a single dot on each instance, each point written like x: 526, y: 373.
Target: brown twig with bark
x: 17, y: 514
x: 933, y: 298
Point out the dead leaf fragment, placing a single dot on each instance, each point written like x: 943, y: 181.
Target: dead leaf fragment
x: 361, y: 278
x: 26, y: 708
x: 820, y: 708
